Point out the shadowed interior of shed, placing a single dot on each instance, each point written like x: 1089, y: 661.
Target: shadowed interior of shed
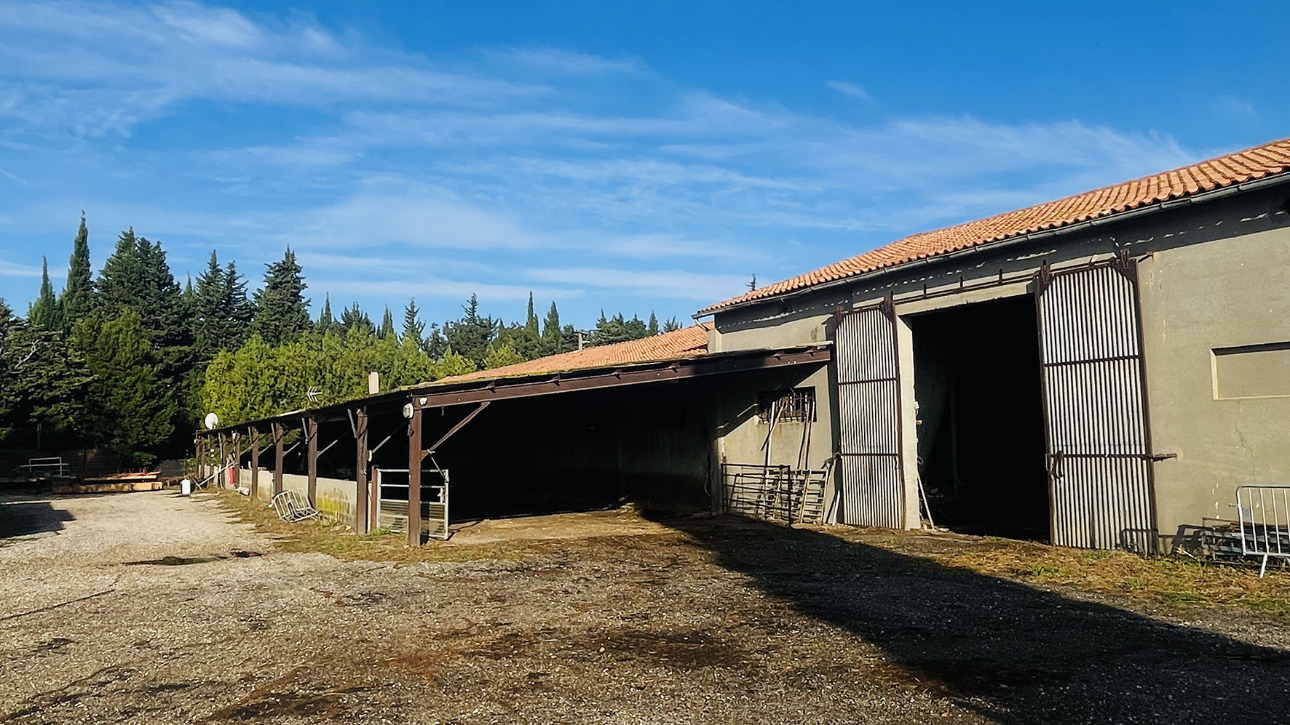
x: 980, y: 418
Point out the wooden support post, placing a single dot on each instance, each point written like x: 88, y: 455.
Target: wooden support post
x: 278, y: 455
x: 361, y: 500
x: 197, y: 456
x: 414, y: 478
x: 255, y: 462
x: 311, y: 459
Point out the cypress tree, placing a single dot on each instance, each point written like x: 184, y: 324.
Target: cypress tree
x: 531, y: 322
x: 326, y: 323
x: 551, y: 332
x: 413, y: 327
x: 43, y: 313
x: 653, y: 323
x: 281, y: 311
x: 78, y: 294
x: 387, y: 323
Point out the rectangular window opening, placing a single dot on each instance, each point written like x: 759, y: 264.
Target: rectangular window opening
x: 1252, y: 371
x: 797, y: 404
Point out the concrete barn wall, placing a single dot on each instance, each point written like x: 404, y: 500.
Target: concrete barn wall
x: 335, y: 496
x: 1194, y: 300
x: 739, y: 435
x: 1213, y: 275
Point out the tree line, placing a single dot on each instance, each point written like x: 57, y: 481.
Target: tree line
x: 130, y: 360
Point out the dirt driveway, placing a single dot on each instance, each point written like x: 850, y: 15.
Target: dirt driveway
x: 154, y: 608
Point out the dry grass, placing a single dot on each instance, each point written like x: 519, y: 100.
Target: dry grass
x: 1169, y: 582
x: 340, y: 541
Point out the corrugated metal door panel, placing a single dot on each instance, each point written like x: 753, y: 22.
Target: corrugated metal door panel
x: 869, y: 419
x: 1098, y: 448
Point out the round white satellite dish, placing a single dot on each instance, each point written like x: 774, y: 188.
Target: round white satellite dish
x: 212, y: 421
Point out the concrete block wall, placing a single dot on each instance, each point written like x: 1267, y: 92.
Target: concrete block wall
x: 335, y: 496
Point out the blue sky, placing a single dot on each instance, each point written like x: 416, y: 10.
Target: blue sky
x: 629, y: 155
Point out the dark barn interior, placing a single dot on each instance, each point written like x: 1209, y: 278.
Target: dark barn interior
x: 576, y: 451
x: 980, y: 418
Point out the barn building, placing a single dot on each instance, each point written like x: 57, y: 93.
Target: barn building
x: 1099, y: 371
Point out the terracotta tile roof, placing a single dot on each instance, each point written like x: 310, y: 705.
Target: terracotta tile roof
x: 685, y: 343
x: 1236, y: 168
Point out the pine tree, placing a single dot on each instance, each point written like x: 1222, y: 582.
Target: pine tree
x: 354, y: 318
x: 221, y: 311
x: 6, y: 321
x: 208, y: 310
x: 120, y: 276
x: 43, y: 384
x: 653, y: 323
x: 387, y: 323
x: 241, y: 311
x: 281, y: 311
x: 138, y: 277
x: 130, y: 404
x: 471, y: 335
x: 326, y: 323
x: 188, y: 298
x: 413, y: 327
x: 435, y: 344
x: 78, y: 294
x: 43, y: 313
x: 671, y: 325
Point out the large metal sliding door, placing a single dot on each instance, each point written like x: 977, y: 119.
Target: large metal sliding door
x: 870, y: 470
x: 1099, y: 455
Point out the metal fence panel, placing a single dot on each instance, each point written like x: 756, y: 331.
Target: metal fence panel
x: 1095, y: 407
x: 869, y: 419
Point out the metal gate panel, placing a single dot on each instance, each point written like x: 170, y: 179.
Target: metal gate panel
x: 869, y: 417
x: 392, y: 501
x: 1099, y: 457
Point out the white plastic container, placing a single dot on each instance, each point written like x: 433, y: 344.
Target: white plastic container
x: 185, y: 487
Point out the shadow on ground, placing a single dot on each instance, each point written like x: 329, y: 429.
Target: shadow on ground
x: 24, y: 516
x: 1009, y: 651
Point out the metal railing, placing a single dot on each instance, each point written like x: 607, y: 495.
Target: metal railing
x: 44, y: 468
x: 775, y: 492
x: 1263, y: 513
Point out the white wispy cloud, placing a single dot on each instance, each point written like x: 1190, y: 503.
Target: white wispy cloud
x: 485, y: 172
x: 673, y: 283
x: 849, y: 89
x: 11, y: 269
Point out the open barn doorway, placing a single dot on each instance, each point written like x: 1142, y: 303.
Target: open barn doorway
x: 980, y: 418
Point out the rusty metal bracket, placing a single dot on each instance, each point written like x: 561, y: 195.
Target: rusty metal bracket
x: 385, y: 440
x: 460, y: 424
x: 888, y: 307
x: 1043, y: 278
x: 1125, y: 265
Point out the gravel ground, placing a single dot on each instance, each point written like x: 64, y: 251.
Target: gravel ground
x: 136, y: 608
